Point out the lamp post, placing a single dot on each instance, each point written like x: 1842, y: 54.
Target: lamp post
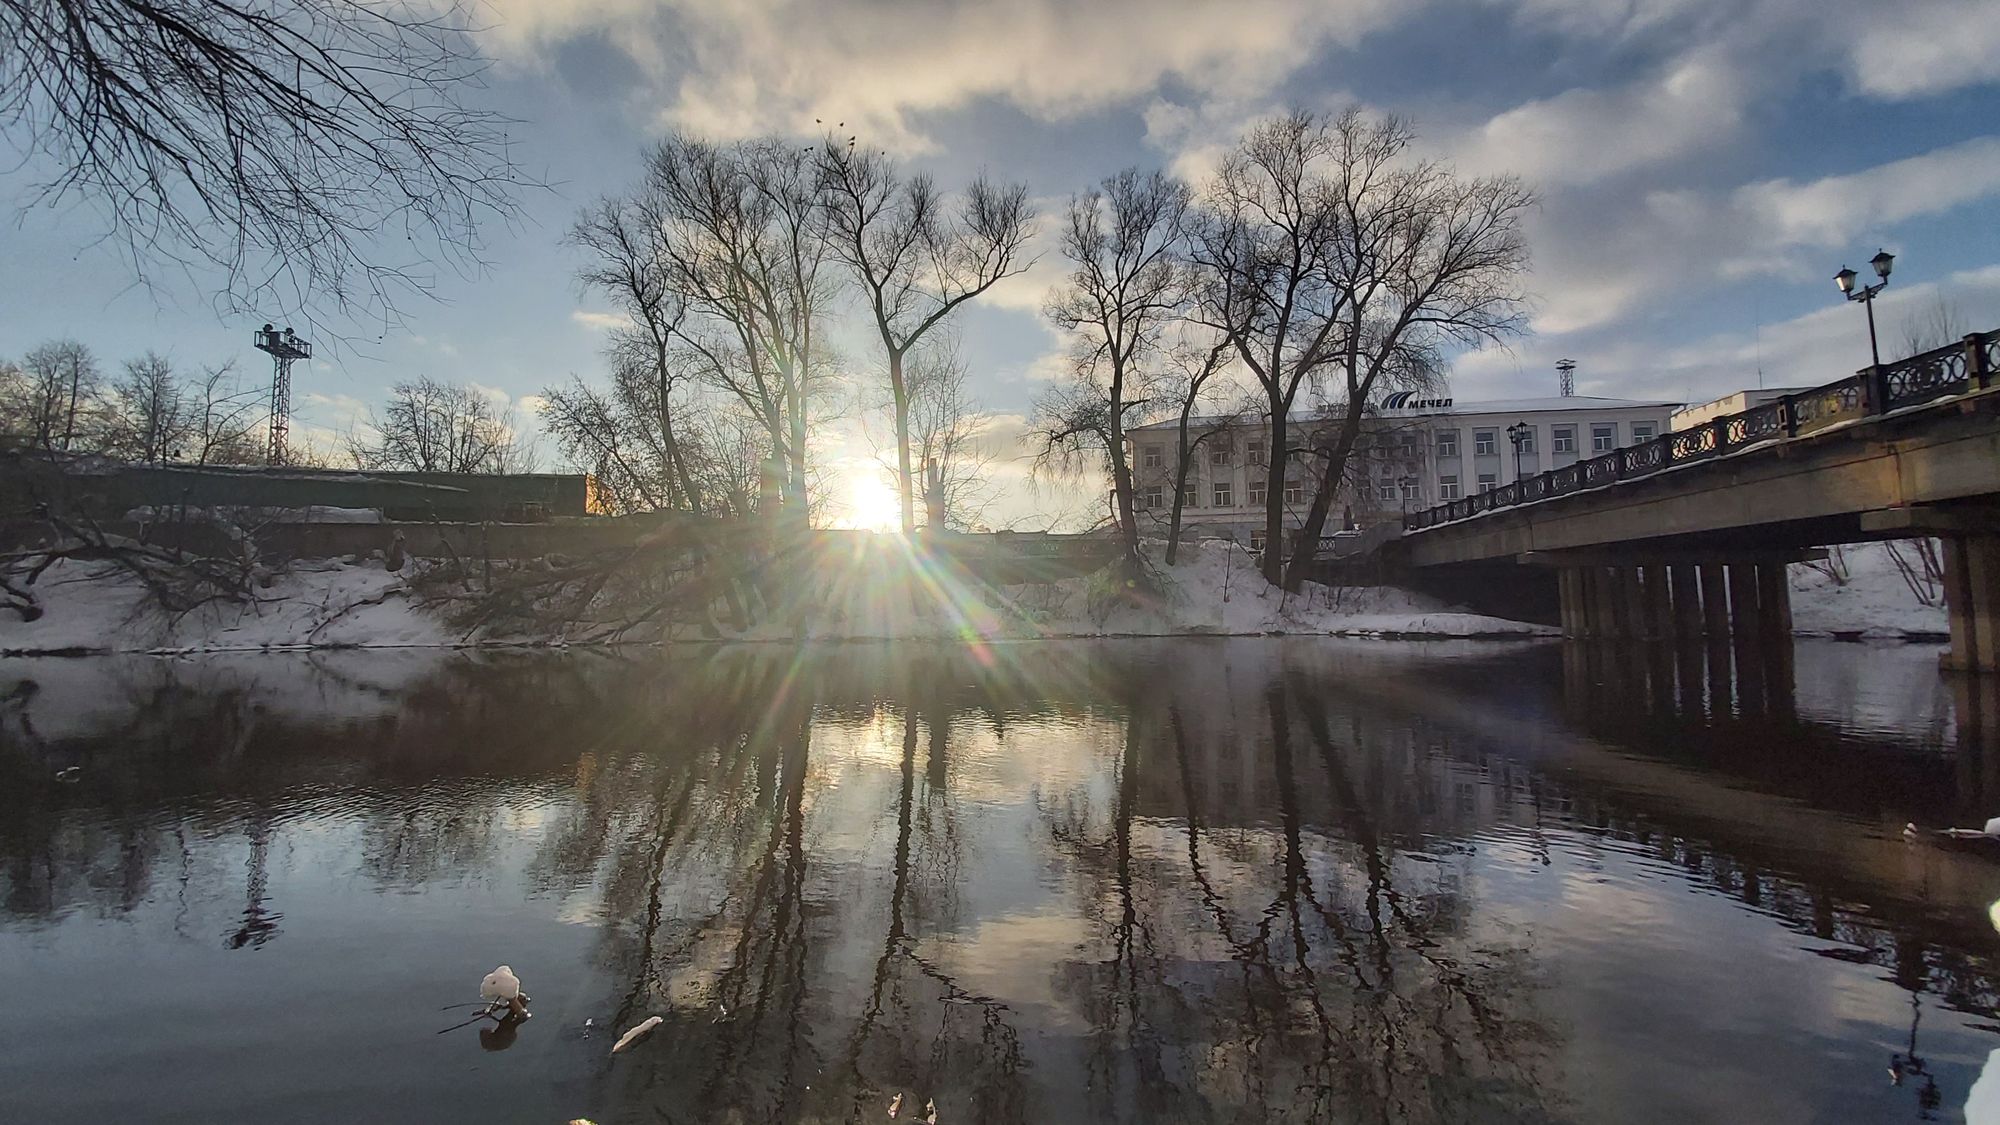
x: 1518, y: 434
x: 1883, y: 261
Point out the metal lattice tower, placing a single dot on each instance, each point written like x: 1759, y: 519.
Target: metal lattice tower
x: 1566, y: 378
x: 283, y: 348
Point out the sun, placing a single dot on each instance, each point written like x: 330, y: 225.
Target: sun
x: 872, y: 504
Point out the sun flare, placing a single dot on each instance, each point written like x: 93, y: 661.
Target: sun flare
x: 871, y: 502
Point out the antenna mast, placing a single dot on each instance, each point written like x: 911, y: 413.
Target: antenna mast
x: 283, y: 348
x: 1566, y: 378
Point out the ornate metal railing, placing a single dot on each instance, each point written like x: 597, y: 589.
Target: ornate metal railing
x: 1969, y: 365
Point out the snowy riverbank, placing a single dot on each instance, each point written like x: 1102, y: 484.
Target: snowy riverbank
x: 1214, y: 590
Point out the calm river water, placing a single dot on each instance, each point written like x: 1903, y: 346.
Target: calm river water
x: 1174, y: 881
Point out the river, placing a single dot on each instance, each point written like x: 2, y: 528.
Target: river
x: 1142, y: 880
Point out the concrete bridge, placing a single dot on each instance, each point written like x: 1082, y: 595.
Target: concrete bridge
x: 1689, y: 534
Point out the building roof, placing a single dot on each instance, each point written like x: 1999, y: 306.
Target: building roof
x: 1495, y: 406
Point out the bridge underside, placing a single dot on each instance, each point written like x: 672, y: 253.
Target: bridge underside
x: 1701, y: 550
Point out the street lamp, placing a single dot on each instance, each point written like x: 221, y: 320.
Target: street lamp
x: 1883, y: 261
x: 1518, y: 434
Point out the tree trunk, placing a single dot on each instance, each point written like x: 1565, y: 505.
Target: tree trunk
x: 1184, y: 457
x: 1274, y: 499
x: 1121, y: 466
x: 905, y: 483
x: 1306, y: 550
x: 689, y: 490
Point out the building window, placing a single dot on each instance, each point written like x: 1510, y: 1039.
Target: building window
x: 1488, y: 482
x: 1528, y: 440
x: 1190, y: 496
x: 1256, y: 540
x: 1642, y: 431
x: 1448, y: 488
x: 1224, y: 495
x: 1448, y: 443
x: 1386, y: 492
x: 1406, y: 448
x: 1564, y: 439
x: 1603, y: 437
x: 1257, y: 493
x: 1149, y: 496
x: 1150, y: 456
x: 1253, y: 452
x: 1295, y: 493
x: 1410, y: 491
x: 1482, y: 443
x: 1218, y: 454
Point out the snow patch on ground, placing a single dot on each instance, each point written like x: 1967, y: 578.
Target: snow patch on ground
x: 1213, y: 589
x: 886, y: 593
x: 98, y: 607
x: 1875, y: 601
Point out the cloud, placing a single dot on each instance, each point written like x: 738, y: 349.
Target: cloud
x: 1584, y: 135
x: 1599, y: 258
x: 739, y: 67
x: 1819, y: 347
x: 1918, y: 50
x: 599, y: 321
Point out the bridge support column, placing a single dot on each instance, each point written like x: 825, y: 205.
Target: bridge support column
x: 1659, y: 604
x: 1604, y: 602
x: 1972, y: 595
x: 1714, y: 601
x: 1573, y: 590
x: 1687, y: 602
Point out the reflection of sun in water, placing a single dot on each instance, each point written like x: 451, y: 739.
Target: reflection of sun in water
x: 871, y: 503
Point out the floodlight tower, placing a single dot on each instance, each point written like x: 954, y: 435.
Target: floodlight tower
x: 1566, y: 378
x: 283, y: 347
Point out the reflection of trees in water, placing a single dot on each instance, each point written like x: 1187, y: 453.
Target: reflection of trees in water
x: 1270, y: 880
x: 723, y: 915
x: 1305, y: 970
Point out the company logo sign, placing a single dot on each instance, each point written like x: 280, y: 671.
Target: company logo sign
x: 1409, y: 401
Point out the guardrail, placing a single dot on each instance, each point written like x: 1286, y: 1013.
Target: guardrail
x: 1968, y: 365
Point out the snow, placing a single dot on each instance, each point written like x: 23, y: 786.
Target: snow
x: 885, y: 590
x: 239, y: 516
x: 98, y: 607
x: 1214, y: 589
x: 1874, y: 601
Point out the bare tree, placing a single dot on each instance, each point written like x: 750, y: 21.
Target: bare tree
x: 1125, y: 241
x: 916, y: 259
x: 435, y: 427
x: 1326, y: 249
x: 302, y: 148
x: 1933, y: 324
x: 742, y: 247
x: 150, y: 416
x: 56, y: 395
x: 629, y: 266
x: 1189, y: 384
x: 943, y: 426
x: 223, y: 416
x: 619, y: 435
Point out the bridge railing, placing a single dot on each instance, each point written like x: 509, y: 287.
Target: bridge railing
x: 1968, y: 365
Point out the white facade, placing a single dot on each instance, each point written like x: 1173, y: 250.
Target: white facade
x: 1406, y: 461
x: 1687, y: 418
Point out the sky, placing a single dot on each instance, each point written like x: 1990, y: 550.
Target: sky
x: 1703, y: 167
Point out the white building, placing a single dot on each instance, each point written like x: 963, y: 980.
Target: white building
x: 1688, y: 417
x: 1413, y: 453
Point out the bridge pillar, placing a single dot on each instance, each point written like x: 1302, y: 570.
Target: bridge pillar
x: 1972, y: 595
x: 1631, y: 601
x: 1659, y: 604
x: 1573, y: 589
x: 1714, y: 601
x: 1687, y: 601
x: 1604, y: 602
